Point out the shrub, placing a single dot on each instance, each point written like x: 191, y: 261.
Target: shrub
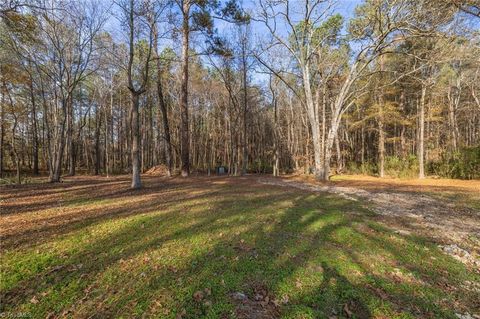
x: 366, y: 168
x: 464, y: 164
x: 401, y: 167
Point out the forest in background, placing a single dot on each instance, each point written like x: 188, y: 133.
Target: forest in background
x: 258, y: 87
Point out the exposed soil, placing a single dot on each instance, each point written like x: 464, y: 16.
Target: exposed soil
x: 406, y: 185
x: 403, y: 206
x: 259, y: 306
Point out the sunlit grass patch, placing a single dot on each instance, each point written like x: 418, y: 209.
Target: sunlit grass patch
x: 305, y: 255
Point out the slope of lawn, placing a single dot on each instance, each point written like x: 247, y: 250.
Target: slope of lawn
x: 215, y: 248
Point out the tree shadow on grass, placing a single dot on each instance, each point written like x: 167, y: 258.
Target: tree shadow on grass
x: 87, y: 206
x: 296, y: 253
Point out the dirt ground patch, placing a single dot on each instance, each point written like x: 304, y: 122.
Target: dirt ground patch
x: 259, y: 306
x: 399, y: 184
x: 408, y: 207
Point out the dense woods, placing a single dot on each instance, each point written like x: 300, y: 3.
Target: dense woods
x: 92, y: 87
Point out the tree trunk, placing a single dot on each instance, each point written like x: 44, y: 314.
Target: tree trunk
x: 381, y: 144
x: 136, y: 161
x: 163, y: 108
x: 381, y: 130
x: 59, y: 146
x: 313, y: 120
x: 184, y: 131
x: 70, y: 141
x: 453, y: 102
x: 107, y: 144
x: 332, y: 133
x: 244, y: 142
x: 134, y: 118
x: 362, y: 138
x: 14, y: 152
x: 34, y: 129
x: 324, y: 122
x: 421, y: 133
x: 245, y: 104
x: 276, y: 137
x: 339, y: 155
x: 98, y: 125
x: 2, y: 133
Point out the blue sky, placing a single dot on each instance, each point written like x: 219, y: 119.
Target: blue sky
x: 344, y: 7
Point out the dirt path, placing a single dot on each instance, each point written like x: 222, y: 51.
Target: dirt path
x: 456, y: 229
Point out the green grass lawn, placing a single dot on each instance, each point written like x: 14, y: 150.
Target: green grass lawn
x: 182, y: 250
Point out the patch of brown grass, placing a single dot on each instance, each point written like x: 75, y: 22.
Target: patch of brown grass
x: 33, y: 213
x: 398, y: 184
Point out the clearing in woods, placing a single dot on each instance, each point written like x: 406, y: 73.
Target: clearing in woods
x: 249, y: 247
